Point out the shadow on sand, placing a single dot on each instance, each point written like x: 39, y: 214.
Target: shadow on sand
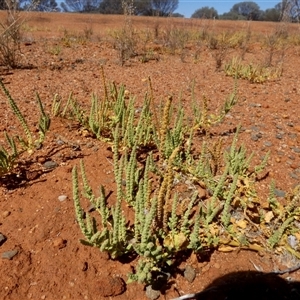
x: 248, y: 285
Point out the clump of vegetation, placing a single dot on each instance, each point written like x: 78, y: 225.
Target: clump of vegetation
x: 125, y: 40
x: 10, y: 38
x: 8, y: 158
x: 70, y: 38
x: 252, y: 72
x: 147, y: 172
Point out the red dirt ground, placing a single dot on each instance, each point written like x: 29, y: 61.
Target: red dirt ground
x: 51, y: 263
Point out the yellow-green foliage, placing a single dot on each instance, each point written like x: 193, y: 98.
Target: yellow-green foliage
x: 8, y: 158
x: 252, y: 72
x: 165, y: 223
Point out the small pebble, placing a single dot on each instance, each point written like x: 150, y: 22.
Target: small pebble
x: 296, y: 150
x: 151, y: 293
x: 255, y: 105
x: 294, y: 176
x: 62, y: 198
x: 50, y: 164
x: 189, y: 274
x: 292, y: 135
x: 59, y: 142
x: 9, y: 254
x: 5, y: 214
x: 268, y: 144
x: 256, y: 136
x: 254, y: 128
x: 279, y: 193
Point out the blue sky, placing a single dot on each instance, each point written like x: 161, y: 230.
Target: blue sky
x: 187, y: 7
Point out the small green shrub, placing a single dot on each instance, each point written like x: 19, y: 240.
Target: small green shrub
x: 164, y: 223
x: 8, y: 158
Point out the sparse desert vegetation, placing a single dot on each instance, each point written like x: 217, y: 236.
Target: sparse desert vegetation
x: 169, y: 144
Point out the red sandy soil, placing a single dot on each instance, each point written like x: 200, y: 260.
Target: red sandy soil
x: 51, y: 263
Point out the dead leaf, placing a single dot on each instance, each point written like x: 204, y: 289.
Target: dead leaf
x: 223, y: 248
x: 269, y: 216
x: 242, y: 224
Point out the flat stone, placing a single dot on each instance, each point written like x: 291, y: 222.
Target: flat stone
x: 62, y: 198
x: 9, y: 254
x: 256, y: 136
x: 296, y: 149
x: 50, y: 164
x: 279, y: 193
x: 151, y: 293
x: 268, y: 144
x: 294, y: 176
x: 255, y: 105
x: 189, y: 274
x: 254, y: 128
